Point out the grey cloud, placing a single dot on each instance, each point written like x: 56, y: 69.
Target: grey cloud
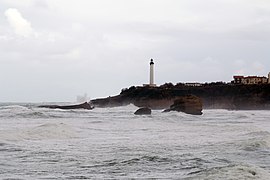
x: 76, y: 49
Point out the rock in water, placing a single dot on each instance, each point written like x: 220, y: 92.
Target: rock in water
x: 85, y: 105
x: 143, y: 111
x: 188, y: 104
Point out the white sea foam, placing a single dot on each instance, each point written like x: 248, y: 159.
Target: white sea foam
x: 234, y: 172
x: 113, y: 143
x: 41, y: 132
x: 50, y: 131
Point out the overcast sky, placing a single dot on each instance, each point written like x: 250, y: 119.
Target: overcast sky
x: 54, y: 50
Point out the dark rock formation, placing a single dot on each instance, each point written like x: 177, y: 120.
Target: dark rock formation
x: 143, y: 111
x: 233, y: 97
x: 113, y: 101
x: 213, y: 96
x: 187, y: 104
x: 152, y: 98
x: 77, y: 106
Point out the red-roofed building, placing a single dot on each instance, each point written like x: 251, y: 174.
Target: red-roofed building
x: 250, y: 80
x: 238, y: 79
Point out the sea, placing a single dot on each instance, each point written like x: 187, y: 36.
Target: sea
x: 113, y: 143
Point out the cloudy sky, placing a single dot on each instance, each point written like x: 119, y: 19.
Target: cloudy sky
x: 54, y: 50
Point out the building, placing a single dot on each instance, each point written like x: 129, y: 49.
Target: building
x: 193, y: 84
x: 238, y: 79
x: 250, y: 80
x: 151, y: 79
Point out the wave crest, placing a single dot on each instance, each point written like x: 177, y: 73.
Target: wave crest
x: 237, y: 172
x: 45, y: 131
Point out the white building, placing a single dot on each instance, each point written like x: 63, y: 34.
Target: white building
x: 250, y: 80
x: 193, y: 84
x: 151, y: 79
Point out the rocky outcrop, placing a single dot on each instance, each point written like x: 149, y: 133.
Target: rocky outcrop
x: 233, y: 97
x: 85, y: 105
x: 213, y: 96
x: 153, y: 103
x: 153, y: 98
x: 188, y: 104
x: 113, y: 101
x: 143, y: 111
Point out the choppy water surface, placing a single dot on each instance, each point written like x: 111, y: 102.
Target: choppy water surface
x: 37, y: 143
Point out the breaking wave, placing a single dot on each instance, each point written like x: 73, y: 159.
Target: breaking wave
x: 113, y: 143
x: 33, y: 112
x: 45, y: 131
x: 233, y: 172
x: 133, y: 161
x: 17, y: 111
x: 260, y: 140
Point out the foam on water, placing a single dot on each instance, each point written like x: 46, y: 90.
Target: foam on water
x: 41, y: 132
x: 50, y: 131
x: 39, y: 143
x: 260, y: 140
x: 233, y: 172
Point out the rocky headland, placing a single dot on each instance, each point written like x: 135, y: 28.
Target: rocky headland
x: 213, y: 96
x: 153, y: 98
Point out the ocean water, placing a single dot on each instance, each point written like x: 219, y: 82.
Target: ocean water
x: 113, y: 143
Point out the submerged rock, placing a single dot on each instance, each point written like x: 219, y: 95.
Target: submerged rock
x: 189, y: 104
x: 143, y: 111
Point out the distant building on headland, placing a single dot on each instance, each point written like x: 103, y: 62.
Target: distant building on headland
x: 251, y: 79
x: 237, y: 79
x: 151, y: 79
x: 193, y: 84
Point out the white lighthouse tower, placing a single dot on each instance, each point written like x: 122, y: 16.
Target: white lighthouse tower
x: 151, y: 82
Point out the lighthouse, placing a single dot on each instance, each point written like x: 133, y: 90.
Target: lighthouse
x: 151, y: 79
x: 151, y: 82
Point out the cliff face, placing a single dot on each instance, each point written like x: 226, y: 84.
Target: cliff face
x: 113, y: 101
x: 154, y: 98
x: 238, y: 97
x: 188, y: 104
x: 154, y: 103
x: 249, y: 97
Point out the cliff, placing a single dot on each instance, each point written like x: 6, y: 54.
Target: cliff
x: 233, y: 97
x: 213, y: 96
x: 154, y: 98
x: 188, y: 104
